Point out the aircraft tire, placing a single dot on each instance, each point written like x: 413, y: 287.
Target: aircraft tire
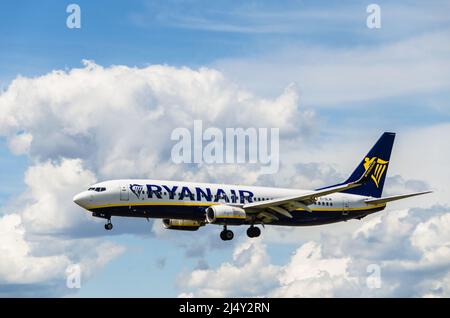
x: 108, y: 226
x: 226, y: 235
x: 253, y: 231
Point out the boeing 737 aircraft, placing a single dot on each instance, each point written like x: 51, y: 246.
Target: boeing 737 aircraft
x: 188, y: 205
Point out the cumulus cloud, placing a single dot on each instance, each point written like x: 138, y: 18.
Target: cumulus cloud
x: 42, y: 263
x: 94, y: 123
x: 16, y: 254
x: 247, y: 274
x: 251, y: 274
x: 49, y: 208
x: 20, y: 144
x: 408, y: 248
x: 41, y: 233
x: 119, y: 119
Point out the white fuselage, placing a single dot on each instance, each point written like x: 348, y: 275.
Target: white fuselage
x: 160, y: 198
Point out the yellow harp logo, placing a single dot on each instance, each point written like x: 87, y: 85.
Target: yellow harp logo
x: 379, y: 169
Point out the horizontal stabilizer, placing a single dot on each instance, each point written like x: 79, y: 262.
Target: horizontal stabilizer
x: 394, y: 197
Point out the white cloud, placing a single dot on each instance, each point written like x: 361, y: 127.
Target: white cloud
x: 337, y: 77
x: 411, y: 248
x: 42, y: 261
x: 119, y: 119
x: 247, y: 274
x: 310, y: 274
x: 17, y: 264
x: 97, y: 123
x: 432, y: 234
x: 50, y: 188
x: 20, y: 144
x: 39, y: 233
x: 422, y: 154
x: 250, y: 273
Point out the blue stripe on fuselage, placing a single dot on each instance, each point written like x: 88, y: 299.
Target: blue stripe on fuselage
x: 300, y: 218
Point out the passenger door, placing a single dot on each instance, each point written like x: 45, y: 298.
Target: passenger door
x: 346, y: 206
x: 124, y: 193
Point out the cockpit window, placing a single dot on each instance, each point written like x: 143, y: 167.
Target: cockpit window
x: 98, y: 189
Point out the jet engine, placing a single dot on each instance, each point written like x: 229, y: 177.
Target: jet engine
x: 181, y: 225
x: 225, y: 214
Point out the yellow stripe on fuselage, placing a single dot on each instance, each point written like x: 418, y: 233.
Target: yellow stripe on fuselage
x: 200, y: 204
x: 153, y: 204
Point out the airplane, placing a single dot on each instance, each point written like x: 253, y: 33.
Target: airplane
x: 190, y: 205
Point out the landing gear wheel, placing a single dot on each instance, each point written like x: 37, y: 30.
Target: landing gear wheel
x: 108, y: 226
x: 226, y: 235
x: 253, y: 231
x: 229, y: 235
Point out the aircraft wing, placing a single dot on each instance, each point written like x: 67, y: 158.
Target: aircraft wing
x: 283, y: 205
x: 394, y: 197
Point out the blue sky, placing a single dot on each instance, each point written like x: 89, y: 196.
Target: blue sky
x: 255, y: 44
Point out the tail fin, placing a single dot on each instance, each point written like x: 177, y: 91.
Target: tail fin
x: 380, y: 154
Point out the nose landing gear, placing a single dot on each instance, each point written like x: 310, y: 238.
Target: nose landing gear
x: 226, y: 235
x: 108, y: 226
x: 253, y: 231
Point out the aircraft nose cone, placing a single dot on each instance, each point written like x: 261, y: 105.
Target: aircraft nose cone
x: 81, y: 199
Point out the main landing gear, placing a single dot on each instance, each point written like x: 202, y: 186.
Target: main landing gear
x: 226, y: 235
x: 108, y: 226
x: 253, y: 231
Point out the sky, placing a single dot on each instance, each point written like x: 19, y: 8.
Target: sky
x: 100, y: 102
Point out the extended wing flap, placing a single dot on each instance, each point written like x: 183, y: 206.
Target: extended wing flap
x: 394, y: 198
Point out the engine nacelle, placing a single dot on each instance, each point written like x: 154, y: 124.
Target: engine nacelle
x: 225, y: 214
x: 181, y: 225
